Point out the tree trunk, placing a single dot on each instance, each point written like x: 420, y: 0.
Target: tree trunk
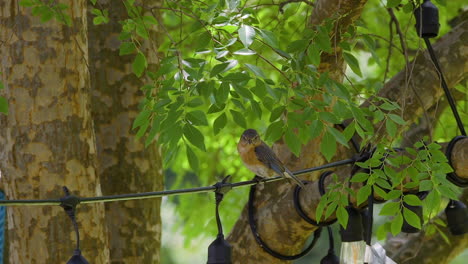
x: 47, y: 138
x: 125, y: 165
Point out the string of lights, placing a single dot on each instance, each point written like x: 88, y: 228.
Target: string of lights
x: 156, y: 194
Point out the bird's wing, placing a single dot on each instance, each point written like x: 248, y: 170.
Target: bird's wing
x: 268, y: 157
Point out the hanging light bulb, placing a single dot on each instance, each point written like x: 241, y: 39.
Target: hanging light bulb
x: 457, y: 217
x: 219, y: 251
x: 353, y: 246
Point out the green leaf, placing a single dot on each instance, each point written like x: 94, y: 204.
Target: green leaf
x: 397, y: 119
x: 3, y: 105
x: 391, y: 128
x: 239, y: 118
x: 363, y: 194
x: 142, y: 118
x: 246, y: 35
x: 222, y: 93
x: 139, y: 64
x: 293, y: 142
x: 338, y: 136
x: 141, y: 31
x: 276, y: 113
x: 412, y: 199
x: 319, y: 210
x: 314, y: 55
x: 223, y: 67
x: 219, y: 123
x: 269, y: 37
x: 432, y: 201
x: 382, y: 231
x: 194, y: 136
x: 28, y: 3
x: 425, y: 185
x: 274, y: 131
x: 323, y: 40
x: 297, y: 45
x: 342, y: 216
x: 244, y: 52
x: 127, y: 48
x: 353, y: 63
x: 411, y: 218
x: 150, y: 20
x: 331, y: 208
x: 315, y: 128
x: 197, y: 118
x: 256, y: 108
x: 329, y: 117
x: 192, y: 158
x: 390, y: 208
x: 328, y: 146
x: 360, y: 177
x: 256, y: 70
x: 195, y: 102
x: 393, y: 3
x: 397, y: 224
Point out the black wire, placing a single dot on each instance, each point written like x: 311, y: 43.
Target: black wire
x: 300, y: 211
x: 445, y: 87
x: 262, y: 244
x: 147, y: 195
x: 370, y: 217
x: 331, y: 241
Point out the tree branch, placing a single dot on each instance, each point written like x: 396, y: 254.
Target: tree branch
x: 278, y: 223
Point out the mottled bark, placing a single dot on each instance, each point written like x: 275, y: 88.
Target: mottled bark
x: 125, y: 165
x: 278, y: 223
x: 47, y: 138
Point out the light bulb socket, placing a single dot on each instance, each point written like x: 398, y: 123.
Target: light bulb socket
x: 427, y: 20
x: 330, y: 258
x: 219, y: 251
x: 77, y: 258
x: 353, y: 231
x: 418, y: 210
x: 457, y: 217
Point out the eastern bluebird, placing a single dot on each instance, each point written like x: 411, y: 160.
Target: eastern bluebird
x: 260, y: 159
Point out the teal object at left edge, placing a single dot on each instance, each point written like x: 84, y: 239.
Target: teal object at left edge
x: 2, y: 226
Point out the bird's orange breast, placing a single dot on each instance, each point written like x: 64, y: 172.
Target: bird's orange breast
x: 250, y: 160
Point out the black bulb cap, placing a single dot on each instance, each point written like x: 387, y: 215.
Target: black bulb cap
x: 219, y: 251
x: 427, y: 20
x: 77, y: 258
x: 330, y: 258
x: 457, y: 217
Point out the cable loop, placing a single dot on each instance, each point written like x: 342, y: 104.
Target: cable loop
x: 452, y: 176
x: 300, y: 211
x: 262, y: 244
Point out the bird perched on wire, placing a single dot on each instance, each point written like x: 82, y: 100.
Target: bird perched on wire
x: 260, y: 158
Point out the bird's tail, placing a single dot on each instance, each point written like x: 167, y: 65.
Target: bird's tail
x: 289, y: 174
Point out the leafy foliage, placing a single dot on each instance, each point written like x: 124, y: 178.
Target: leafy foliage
x: 230, y: 65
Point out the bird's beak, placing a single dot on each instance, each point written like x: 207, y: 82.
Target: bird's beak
x: 250, y: 141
